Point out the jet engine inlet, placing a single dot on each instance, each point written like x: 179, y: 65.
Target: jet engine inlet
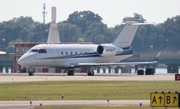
x: 100, y: 49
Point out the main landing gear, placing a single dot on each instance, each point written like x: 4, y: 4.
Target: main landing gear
x: 90, y: 72
x: 70, y: 72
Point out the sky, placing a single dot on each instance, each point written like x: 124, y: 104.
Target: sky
x: 112, y: 11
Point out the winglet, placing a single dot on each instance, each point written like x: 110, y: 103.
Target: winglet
x: 157, y: 56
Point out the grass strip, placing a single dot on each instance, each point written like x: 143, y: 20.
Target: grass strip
x: 85, y: 90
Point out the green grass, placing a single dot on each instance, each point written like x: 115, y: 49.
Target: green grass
x: 85, y: 90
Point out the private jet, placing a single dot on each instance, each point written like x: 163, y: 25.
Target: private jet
x: 90, y: 56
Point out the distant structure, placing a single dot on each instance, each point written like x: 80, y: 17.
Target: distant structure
x: 44, y: 12
x: 53, y: 36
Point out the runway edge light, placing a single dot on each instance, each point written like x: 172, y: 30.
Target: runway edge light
x: 140, y: 104
x: 62, y: 96
x: 40, y: 104
x: 108, y: 99
x: 30, y: 102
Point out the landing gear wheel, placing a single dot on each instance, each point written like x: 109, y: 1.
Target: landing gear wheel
x: 70, y: 73
x: 31, y: 73
x: 90, y: 73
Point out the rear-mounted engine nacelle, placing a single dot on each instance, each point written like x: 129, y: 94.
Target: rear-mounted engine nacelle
x: 108, y: 50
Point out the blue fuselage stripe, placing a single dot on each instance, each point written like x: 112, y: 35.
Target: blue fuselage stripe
x: 88, y: 55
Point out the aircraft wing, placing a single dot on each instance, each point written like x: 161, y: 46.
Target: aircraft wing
x: 111, y: 64
x: 115, y: 64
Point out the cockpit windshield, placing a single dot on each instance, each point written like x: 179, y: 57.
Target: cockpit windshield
x: 34, y: 50
x: 42, y: 51
x: 37, y: 51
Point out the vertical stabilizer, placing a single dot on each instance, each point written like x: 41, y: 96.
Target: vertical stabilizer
x: 53, y: 36
x: 126, y: 34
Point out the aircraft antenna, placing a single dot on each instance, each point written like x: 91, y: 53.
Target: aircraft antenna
x: 44, y: 12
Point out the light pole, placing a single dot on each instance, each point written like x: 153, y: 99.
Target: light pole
x: 15, y: 29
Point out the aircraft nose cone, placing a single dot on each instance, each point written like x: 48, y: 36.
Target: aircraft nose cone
x: 24, y: 60
x: 21, y: 61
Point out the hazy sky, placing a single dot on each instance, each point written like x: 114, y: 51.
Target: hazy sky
x: 112, y: 11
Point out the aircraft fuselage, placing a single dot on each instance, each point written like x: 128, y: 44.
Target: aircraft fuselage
x: 64, y: 55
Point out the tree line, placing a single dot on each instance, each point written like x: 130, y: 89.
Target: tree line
x: 88, y: 26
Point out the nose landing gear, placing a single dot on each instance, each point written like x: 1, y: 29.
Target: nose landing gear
x: 31, y: 72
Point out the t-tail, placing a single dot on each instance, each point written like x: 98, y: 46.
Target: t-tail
x: 126, y: 34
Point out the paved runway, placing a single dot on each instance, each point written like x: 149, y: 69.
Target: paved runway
x: 26, y: 104
x: 110, y: 77
x: 60, y: 77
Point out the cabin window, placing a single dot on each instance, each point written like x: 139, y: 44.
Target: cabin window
x: 42, y: 51
x: 71, y: 53
x: 61, y: 53
x: 76, y: 53
x: 66, y: 53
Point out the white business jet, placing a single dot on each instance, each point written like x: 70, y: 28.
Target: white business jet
x: 90, y: 56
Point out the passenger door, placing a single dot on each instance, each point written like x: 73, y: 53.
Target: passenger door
x: 55, y: 54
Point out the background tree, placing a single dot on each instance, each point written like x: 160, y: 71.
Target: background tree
x: 17, y: 28
x: 88, y: 26
x: 69, y: 32
x: 40, y: 33
x: 137, y: 17
x: 96, y: 32
x: 83, y: 19
x: 171, y: 33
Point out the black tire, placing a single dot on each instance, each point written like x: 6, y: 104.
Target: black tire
x: 90, y: 73
x: 70, y: 73
x: 31, y: 73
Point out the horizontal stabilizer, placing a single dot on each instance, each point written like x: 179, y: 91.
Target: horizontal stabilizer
x: 138, y: 24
